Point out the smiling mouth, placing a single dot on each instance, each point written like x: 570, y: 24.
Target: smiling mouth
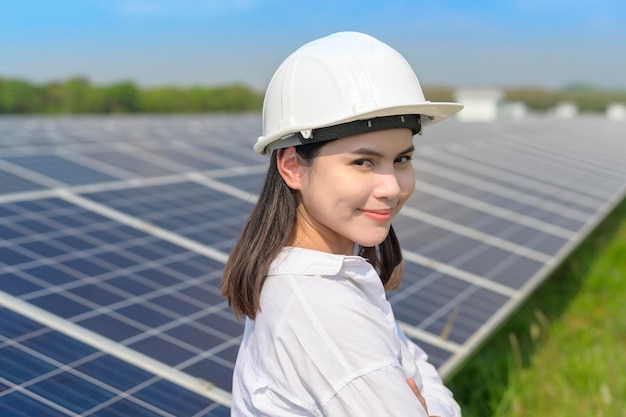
x: 378, y: 215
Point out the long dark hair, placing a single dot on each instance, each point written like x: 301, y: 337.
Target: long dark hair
x: 271, y: 226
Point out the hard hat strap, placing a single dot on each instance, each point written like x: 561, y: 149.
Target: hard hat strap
x: 323, y: 134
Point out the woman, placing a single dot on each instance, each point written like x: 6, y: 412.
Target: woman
x: 318, y: 251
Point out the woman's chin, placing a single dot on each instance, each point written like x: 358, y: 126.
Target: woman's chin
x: 370, y: 242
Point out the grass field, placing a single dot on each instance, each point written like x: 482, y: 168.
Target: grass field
x: 563, y: 353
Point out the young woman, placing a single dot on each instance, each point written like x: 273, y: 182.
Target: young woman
x: 318, y: 252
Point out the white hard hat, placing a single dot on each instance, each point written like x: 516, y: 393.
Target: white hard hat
x: 346, y: 79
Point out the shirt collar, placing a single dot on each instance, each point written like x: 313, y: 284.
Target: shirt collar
x: 301, y: 261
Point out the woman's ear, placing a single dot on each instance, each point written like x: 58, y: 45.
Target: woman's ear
x: 289, y: 167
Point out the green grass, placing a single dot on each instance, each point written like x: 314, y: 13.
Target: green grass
x: 563, y: 353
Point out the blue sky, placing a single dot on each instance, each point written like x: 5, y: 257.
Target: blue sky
x: 544, y: 43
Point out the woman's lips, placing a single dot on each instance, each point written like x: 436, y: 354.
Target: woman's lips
x: 378, y: 215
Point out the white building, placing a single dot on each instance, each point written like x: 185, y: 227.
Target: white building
x: 481, y: 104
x: 515, y: 110
x: 616, y: 111
x: 565, y: 110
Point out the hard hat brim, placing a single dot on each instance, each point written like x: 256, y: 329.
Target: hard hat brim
x: 432, y: 112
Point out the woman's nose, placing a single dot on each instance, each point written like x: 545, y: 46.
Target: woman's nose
x: 387, y: 186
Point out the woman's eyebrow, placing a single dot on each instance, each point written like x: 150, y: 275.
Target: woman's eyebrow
x: 366, y: 152
x: 372, y: 152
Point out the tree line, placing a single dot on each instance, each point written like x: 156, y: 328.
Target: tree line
x: 79, y: 96
x: 586, y: 98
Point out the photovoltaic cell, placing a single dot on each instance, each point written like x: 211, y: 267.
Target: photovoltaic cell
x: 61, y: 169
x: 187, y: 159
x: 189, y: 209
x: 10, y: 183
x: 543, y: 170
x: 130, y: 163
x: 251, y: 183
x: 475, y: 172
x: 430, y: 300
x: 483, y: 221
x: 469, y: 254
x: 436, y: 355
x: 498, y: 200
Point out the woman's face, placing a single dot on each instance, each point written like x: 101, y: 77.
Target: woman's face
x: 353, y: 190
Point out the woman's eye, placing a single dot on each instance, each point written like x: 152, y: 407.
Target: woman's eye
x: 363, y: 162
x: 404, y: 159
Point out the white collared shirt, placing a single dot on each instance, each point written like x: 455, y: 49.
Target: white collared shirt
x: 325, y: 343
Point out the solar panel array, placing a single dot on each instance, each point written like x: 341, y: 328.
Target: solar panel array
x: 114, y: 232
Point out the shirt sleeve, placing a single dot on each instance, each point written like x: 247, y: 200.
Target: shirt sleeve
x: 377, y: 393
x: 439, y: 398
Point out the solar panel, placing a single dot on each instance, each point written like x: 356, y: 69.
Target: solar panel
x: 189, y: 209
x: 114, y: 232
x: 48, y: 373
